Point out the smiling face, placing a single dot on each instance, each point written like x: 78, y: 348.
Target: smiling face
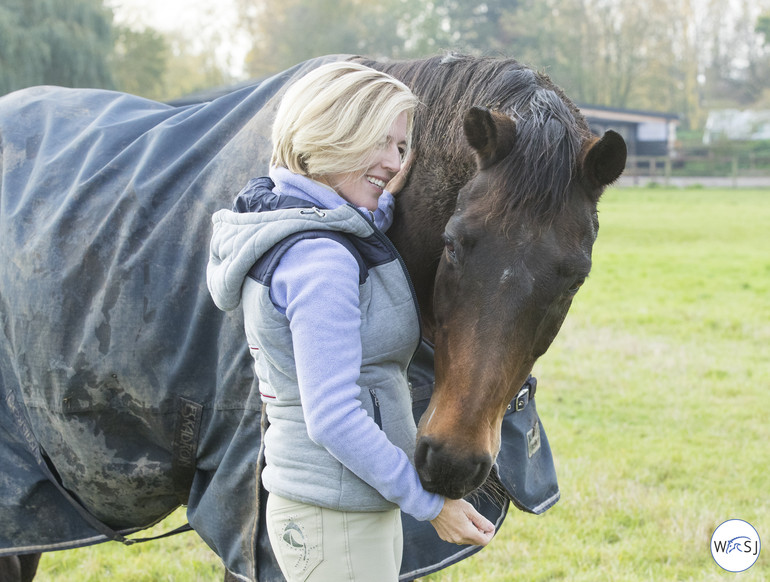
x: 364, y: 189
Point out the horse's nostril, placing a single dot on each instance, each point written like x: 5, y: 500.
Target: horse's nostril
x: 484, y: 465
x: 423, y: 458
x: 445, y: 472
x: 432, y: 453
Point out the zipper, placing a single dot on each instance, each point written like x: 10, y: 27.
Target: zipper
x: 388, y: 243
x: 376, y: 408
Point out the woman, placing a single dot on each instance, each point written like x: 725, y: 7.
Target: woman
x: 332, y: 324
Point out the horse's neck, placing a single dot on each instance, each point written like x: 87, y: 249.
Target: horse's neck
x: 444, y: 164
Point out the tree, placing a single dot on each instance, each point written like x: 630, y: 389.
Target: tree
x: 286, y: 32
x: 619, y: 53
x: 763, y: 28
x: 467, y: 26
x: 57, y: 42
x: 665, y: 55
x: 140, y: 62
x: 191, y: 71
x: 762, y: 65
x: 735, y: 60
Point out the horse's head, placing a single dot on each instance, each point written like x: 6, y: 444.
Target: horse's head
x: 516, y: 251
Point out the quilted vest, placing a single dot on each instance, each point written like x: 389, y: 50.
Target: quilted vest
x: 296, y: 467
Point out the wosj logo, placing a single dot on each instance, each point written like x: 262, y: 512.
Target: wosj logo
x: 735, y: 545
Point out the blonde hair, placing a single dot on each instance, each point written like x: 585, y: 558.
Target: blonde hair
x: 333, y: 119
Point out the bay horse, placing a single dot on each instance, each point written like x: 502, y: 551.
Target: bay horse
x: 125, y: 392
x: 496, y: 225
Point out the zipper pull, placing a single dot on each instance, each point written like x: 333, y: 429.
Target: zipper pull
x: 376, y: 405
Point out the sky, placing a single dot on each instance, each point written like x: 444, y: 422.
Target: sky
x: 192, y: 19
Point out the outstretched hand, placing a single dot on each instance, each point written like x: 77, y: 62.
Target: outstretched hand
x: 460, y: 523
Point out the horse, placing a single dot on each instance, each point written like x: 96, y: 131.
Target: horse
x: 498, y: 246
x: 126, y: 393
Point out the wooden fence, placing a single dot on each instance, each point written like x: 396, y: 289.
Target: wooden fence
x: 729, y: 169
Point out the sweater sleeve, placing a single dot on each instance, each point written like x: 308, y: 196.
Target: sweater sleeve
x: 316, y: 284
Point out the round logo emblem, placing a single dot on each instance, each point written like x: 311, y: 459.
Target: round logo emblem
x: 735, y: 545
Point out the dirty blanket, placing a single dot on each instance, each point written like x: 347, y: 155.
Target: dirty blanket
x: 123, y: 390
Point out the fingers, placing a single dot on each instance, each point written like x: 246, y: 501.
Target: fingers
x: 482, y: 538
x: 460, y: 523
x: 482, y: 523
x: 398, y: 181
x: 472, y: 535
x: 480, y: 530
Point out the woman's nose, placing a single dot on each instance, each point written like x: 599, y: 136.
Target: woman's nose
x: 392, y: 159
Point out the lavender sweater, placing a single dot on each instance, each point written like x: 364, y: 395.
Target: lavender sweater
x: 316, y: 286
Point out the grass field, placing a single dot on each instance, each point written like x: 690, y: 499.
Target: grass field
x: 655, y: 397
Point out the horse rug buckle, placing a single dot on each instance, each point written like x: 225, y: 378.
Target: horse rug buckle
x: 526, y: 394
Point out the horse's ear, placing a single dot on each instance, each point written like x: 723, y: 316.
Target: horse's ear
x: 490, y: 133
x: 605, y: 159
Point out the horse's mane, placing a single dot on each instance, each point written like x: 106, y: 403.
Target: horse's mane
x: 550, y: 129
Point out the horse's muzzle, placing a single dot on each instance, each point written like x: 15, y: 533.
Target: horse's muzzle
x: 443, y: 471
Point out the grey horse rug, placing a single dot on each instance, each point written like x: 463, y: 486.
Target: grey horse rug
x: 124, y: 392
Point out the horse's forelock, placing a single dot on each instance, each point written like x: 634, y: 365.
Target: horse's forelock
x: 537, y: 174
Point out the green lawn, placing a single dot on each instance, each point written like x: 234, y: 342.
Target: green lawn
x: 655, y: 397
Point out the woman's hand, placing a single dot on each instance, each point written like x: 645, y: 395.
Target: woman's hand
x: 460, y: 523
x: 398, y: 181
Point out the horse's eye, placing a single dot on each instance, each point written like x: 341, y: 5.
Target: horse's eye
x: 576, y: 286
x: 449, y: 249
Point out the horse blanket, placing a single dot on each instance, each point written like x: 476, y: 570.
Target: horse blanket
x: 123, y: 390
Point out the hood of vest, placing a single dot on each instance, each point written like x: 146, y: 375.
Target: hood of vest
x: 240, y: 238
